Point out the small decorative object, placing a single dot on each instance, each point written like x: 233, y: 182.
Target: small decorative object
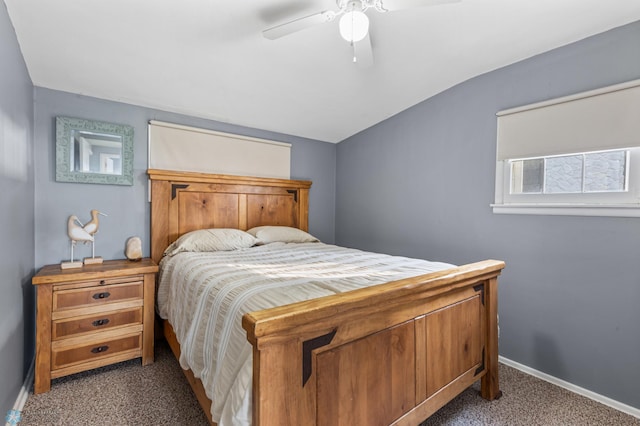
x: 133, y: 249
x: 83, y: 233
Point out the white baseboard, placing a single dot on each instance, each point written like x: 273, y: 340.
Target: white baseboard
x: 635, y: 412
x: 24, y: 391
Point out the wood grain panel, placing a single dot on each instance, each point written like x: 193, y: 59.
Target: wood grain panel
x: 93, y: 323
x: 68, y: 299
x: 212, y: 178
x: 454, y: 342
x: 303, y: 212
x: 42, y: 375
x: 95, y: 363
x: 185, y: 201
x: 96, y: 283
x: 110, y: 269
x: 369, y: 381
x: 271, y: 209
x: 202, y: 210
x: 160, y: 212
x: 421, y: 358
x: 62, y: 357
x: 490, y: 386
x: 279, y: 399
x: 148, y: 322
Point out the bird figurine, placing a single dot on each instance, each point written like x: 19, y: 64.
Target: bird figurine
x: 92, y: 226
x: 78, y: 232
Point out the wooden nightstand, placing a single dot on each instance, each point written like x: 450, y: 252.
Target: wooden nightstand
x: 92, y: 316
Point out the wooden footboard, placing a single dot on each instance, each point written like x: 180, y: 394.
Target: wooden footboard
x: 389, y: 354
x: 392, y: 354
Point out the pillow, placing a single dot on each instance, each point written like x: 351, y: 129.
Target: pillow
x: 217, y: 239
x: 285, y: 234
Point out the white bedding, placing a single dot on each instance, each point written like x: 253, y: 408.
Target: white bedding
x: 204, y: 295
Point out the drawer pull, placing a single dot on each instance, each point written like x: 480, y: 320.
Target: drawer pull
x: 102, y: 282
x: 98, y: 323
x: 104, y: 295
x: 100, y: 349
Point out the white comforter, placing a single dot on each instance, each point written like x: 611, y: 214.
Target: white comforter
x: 204, y: 295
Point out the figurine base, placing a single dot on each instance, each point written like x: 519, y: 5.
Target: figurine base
x: 71, y: 265
x: 92, y: 260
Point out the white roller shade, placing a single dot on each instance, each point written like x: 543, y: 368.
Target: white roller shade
x: 183, y: 148
x: 607, y: 118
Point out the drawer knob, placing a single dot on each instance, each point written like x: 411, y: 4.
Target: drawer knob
x: 100, y: 349
x: 103, y: 295
x: 102, y: 282
x: 98, y: 323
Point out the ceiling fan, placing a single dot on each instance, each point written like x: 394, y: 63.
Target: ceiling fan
x: 354, y: 23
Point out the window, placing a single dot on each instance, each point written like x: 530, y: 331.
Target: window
x: 577, y: 155
x: 580, y: 173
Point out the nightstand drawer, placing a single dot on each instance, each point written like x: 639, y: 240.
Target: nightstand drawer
x: 94, y: 323
x: 93, y: 296
x: 62, y: 357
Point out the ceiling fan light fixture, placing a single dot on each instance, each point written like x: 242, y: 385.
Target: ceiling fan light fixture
x: 354, y: 26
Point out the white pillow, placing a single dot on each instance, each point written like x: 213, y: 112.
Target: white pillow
x: 216, y: 239
x: 284, y: 234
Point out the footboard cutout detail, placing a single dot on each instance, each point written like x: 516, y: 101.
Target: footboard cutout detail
x: 175, y: 187
x: 480, y: 288
x: 307, y: 347
x: 293, y: 192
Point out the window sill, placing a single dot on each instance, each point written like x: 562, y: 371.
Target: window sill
x: 568, y: 209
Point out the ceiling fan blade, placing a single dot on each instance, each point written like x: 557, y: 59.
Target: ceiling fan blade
x: 390, y: 5
x: 298, y: 24
x: 363, y: 52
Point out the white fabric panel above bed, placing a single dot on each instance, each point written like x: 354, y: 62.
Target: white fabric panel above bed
x: 184, y: 148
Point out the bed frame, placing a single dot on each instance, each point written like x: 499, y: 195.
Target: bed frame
x: 390, y: 354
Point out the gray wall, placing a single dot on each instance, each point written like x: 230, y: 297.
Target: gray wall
x: 16, y: 215
x: 127, y: 206
x: 420, y: 184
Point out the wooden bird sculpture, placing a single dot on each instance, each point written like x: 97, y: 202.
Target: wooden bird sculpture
x: 76, y: 232
x: 92, y: 226
x: 85, y: 234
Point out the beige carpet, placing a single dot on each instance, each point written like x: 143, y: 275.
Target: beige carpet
x: 120, y: 394
x: 158, y: 394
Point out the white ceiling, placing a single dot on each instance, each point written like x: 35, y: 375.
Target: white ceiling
x: 208, y: 58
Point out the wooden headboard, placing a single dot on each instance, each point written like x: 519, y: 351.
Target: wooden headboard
x: 186, y: 201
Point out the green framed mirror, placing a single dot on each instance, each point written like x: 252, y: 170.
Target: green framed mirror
x: 89, y: 151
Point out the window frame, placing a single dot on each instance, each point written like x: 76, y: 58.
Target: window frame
x: 615, y: 203
x: 583, y: 180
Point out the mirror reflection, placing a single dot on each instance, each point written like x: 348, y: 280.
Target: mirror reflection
x: 89, y: 151
x: 95, y: 152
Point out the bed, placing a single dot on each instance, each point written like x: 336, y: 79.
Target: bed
x: 391, y: 353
